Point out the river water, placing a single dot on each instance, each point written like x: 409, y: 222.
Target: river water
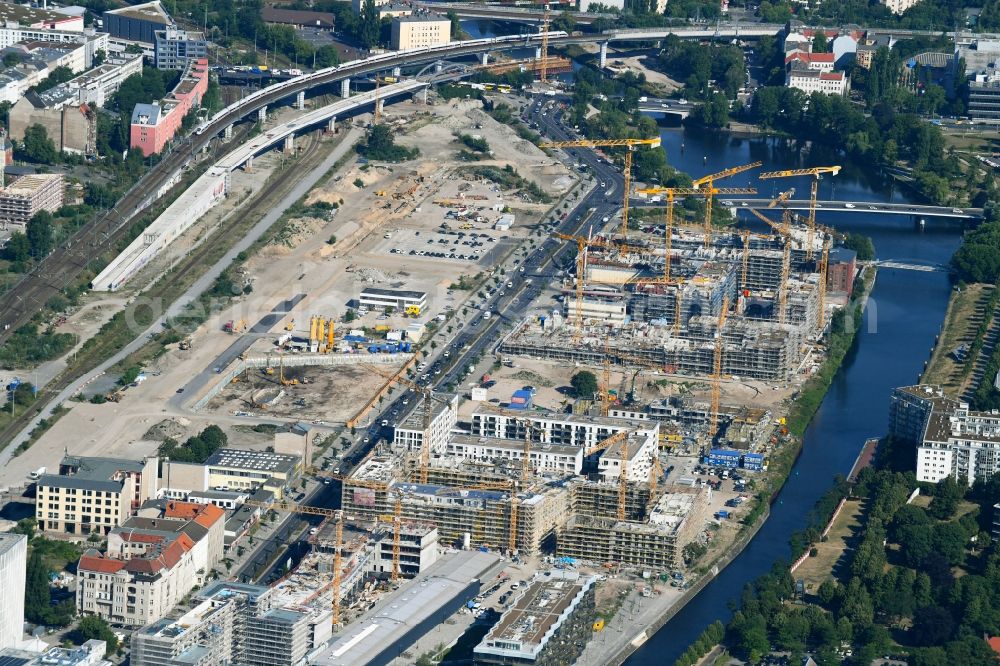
x: 903, y: 316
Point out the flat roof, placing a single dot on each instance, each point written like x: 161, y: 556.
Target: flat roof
x: 28, y: 15
x: 515, y: 445
x: 422, y: 17
x: 9, y: 541
x: 150, y: 11
x: 262, y: 460
x: 393, y: 293
x: 379, y: 630
x: 535, y: 614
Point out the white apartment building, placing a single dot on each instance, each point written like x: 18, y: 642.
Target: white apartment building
x: 93, y: 494
x: 13, y: 564
x: 544, y: 458
x: 817, y: 62
x: 420, y: 30
x: 552, y: 428
x: 899, y: 6
x: 810, y: 81
x: 139, y: 590
x: 409, y: 434
x: 950, y: 439
x: 642, y: 448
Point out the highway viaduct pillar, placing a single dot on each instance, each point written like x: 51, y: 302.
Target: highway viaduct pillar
x: 345, y: 88
x: 379, y: 106
x: 397, y: 71
x: 423, y: 95
x: 331, y: 125
x: 538, y: 53
x: 248, y: 165
x: 262, y: 114
x: 484, y: 59
x: 300, y: 100
x: 227, y: 133
x: 438, y: 67
x: 604, y: 55
x: 290, y: 144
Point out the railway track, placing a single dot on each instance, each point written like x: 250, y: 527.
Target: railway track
x: 221, y: 237
x: 63, y: 266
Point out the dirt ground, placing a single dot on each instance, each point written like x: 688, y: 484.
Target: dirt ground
x: 316, y: 395
x: 302, y: 260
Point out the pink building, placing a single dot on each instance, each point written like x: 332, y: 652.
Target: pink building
x: 154, y: 125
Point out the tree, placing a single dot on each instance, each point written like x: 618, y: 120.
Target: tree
x: 12, y: 59
x: 947, y: 495
x: 92, y: 627
x: 861, y: 244
x: 17, y: 249
x: 37, y: 594
x: 36, y: 146
x: 932, y: 625
x: 820, y: 42
x: 584, y: 384
x: 24, y: 394
x: 39, y: 233
x: 368, y: 31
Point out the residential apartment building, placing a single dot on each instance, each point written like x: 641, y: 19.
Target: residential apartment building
x: 817, y: 62
x: 550, y: 458
x: 154, y: 125
x: 552, y: 428
x: 13, y: 565
x: 409, y: 433
x: 136, y: 590
x: 420, y: 30
x: 91, y: 653
x: 898, y: 6
x: 841, y: 270
x: 950, y: 439
x: 213, y: 632
x: 36, y: 18
x: 151, y: 563
x: 65, y: 110
x: 174, y: 48
x: 27, y: 195
x: 38, y: 58
x: 93, y: 494
x: 984, y: 96
x: 810, y: 81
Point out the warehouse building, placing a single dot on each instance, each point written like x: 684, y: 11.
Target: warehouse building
x: 28, y: 195
x: 549, y: 622
x: 399, y: 619
x: 399, y: 300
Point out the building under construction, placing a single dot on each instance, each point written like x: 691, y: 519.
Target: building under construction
x: 580, y: 469
x: 627, y: 308
x: 28, y: 195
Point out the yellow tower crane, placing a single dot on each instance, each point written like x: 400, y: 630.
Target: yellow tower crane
x: 817, y: 174
x: 429, y: 397
x: 621, y: 438
x: 713, y: 417
x: 396, y: 518
x: 630, y: 145
x: 336, y: 514
x: 543, y: 72
x: 672, y: 192
x: 710, y: 191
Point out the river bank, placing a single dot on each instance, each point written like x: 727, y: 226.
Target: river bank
x: 901, y: 318
x: 781, y: 467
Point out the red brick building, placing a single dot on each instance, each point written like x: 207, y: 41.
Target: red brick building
x: 841, y: 269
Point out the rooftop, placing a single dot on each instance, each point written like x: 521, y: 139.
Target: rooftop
x: 421, y: 17
x: 452, y: 580
x: 530, y: 622
x: 105, y: 474
x: 150, y: 11
x: 393, y: 293
x: 28, y: 15
x: 270, y: 14
x: 257, y: 460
